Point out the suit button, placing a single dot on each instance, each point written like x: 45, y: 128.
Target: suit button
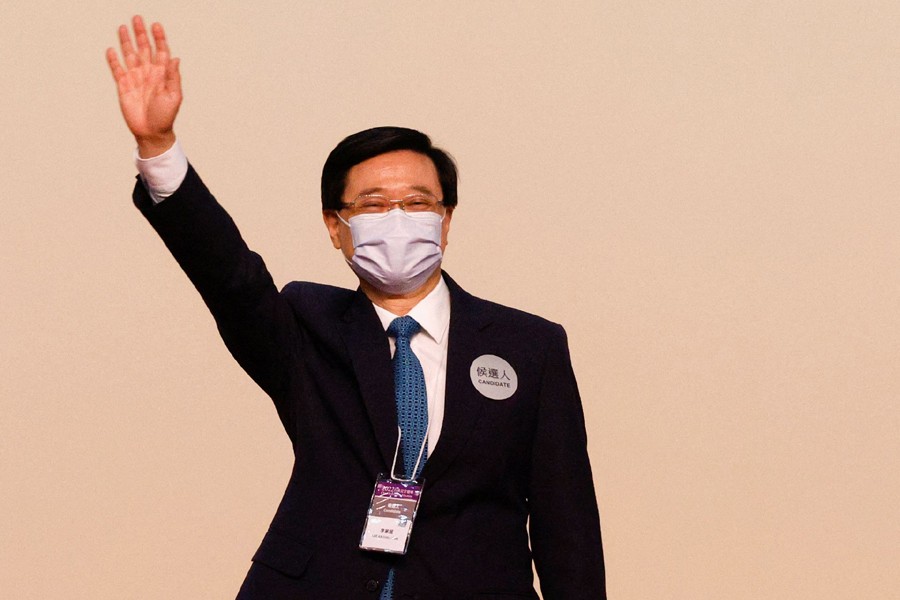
x: 372, y: 585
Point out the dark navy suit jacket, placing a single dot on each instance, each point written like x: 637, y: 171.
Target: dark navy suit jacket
x: 321, y: 354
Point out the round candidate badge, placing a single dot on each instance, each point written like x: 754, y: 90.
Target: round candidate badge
x: 493, y: 377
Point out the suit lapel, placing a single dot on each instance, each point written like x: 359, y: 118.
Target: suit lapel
x: 370, y: 355
x: 462, y: 402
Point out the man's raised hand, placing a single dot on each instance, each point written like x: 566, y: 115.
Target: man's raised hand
x: 149, y: 87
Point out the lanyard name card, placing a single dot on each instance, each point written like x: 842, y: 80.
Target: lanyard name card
x: 395, y: 500
x: 393, y: 507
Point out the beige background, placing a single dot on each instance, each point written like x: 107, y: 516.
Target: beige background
x: 703, y: 193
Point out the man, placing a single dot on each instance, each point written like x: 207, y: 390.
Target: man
x: 428, y: 426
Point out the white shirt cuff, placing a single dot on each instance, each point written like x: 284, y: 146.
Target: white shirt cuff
x: 162, y: 174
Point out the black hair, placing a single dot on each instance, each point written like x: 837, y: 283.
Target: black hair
x: 373, y: 142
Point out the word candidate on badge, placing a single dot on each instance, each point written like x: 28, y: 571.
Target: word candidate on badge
x: 391, y: 514
x: 493, y: 377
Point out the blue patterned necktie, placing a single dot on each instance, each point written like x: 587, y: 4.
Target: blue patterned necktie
x: 412, y: 408
x: 409, y: 392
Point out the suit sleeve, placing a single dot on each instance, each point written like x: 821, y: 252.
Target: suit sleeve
x: 564, y: 521
x: 254, y: 320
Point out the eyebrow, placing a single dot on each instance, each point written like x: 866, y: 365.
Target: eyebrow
x: 380, y: 190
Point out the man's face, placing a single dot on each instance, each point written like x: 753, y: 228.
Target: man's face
x: 393, y: 174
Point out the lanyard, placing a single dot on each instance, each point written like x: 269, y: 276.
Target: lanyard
x: 431, y: 406
x: 421, y: 450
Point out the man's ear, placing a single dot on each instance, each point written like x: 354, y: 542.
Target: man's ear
x: 333, y: 223
x: 445, y: 228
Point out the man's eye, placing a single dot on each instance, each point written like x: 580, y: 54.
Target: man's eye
x: 418, y: 202
x: 371, y: 202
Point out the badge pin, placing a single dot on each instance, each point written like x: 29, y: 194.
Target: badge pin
x: 493, y: 377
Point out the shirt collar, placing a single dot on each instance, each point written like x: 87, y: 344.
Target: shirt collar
x: 432, y: 312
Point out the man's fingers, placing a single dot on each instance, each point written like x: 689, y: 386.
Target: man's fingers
x: 143, y: 41
x: 114, y: 65
x: 173, y: 76
x: 145, y: 52
x: 162, y: 47
x: 131, y: 59
x: 141, y: 63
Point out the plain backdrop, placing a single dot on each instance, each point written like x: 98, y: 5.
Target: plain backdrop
x: 703, y: 193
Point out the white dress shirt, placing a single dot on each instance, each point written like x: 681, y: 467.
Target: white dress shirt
x: 163, y: 174
x: 430, y: 347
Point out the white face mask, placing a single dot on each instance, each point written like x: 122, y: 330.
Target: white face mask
x: 395, y: 251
